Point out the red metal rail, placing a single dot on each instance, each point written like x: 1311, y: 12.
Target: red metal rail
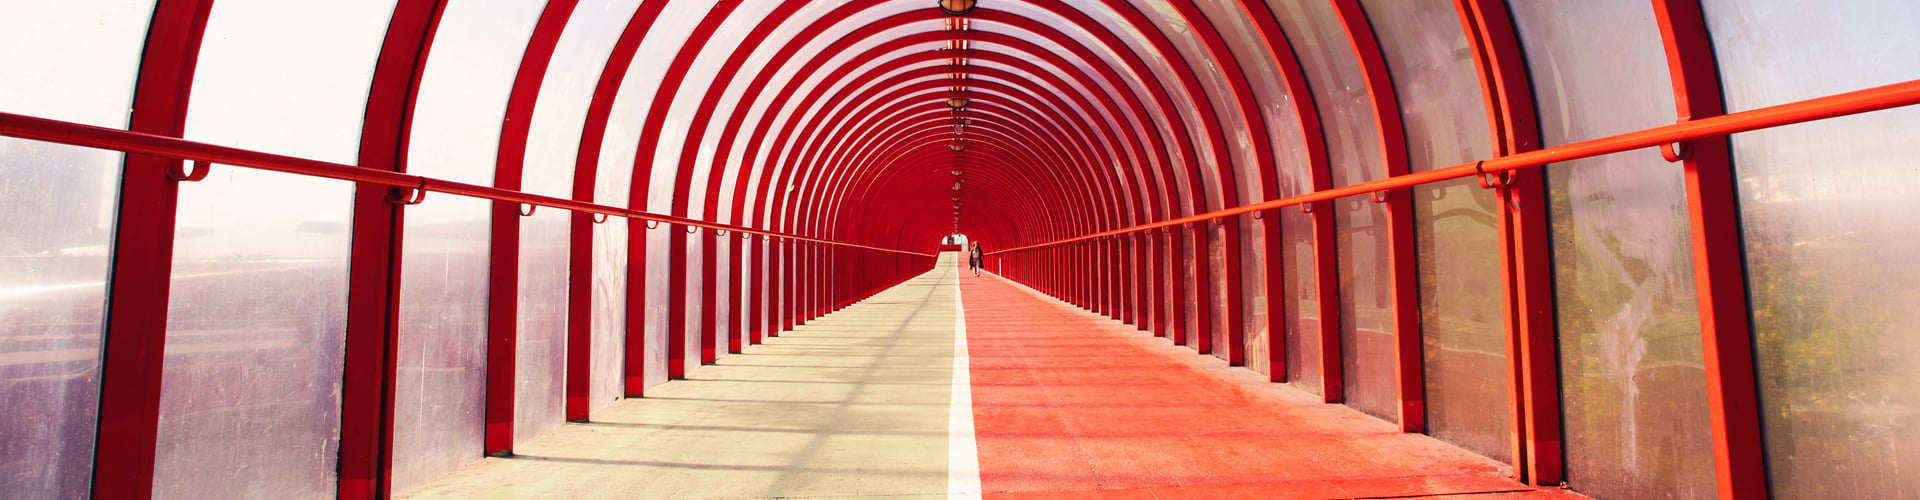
x: 75, y: 134
x: 1848, y: 103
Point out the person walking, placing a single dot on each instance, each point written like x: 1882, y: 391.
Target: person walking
x: 976, y: 259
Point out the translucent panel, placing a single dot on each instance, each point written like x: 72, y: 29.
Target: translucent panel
x: 757, y: 111
x: 609, y: 300
x: 1215, y: 283
x: 1464, y: 337
x: 1194, y: 287
x: 1828, y: 209
x: 1253, y: 294
x: 719, y: 179
x: 1434, y: 77
x: 1240, y: 159
x: 1102, y: 85
x: 250, y: 401
x: 553, y: 145
x: 53, y: 249
x: 1352, y: 138
x: 613, y: 184
x: 1367, y: 356
x: 1333, y: 74
x: 539, y: 396
x: 1457, y: 240
x: 662, y: 44
x: 1183, y: 103
x: 1633, y: 380
x: 1257, y: 59
x: 440, y: 397
x: 1301, y: 326
x: 1240, y: 156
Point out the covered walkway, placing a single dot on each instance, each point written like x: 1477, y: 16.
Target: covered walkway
x: 1065, y: 404
x: 359, y: 249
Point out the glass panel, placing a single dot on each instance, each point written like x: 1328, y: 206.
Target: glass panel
x: 439, y: 412
x: 53, y: 249
x: 1352, y: 136
x: 250, y: 401
x: 1457, y: 240
x: 1828, y: 213
x: 1633, y: 378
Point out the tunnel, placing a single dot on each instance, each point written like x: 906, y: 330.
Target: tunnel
x: 1105, y: 248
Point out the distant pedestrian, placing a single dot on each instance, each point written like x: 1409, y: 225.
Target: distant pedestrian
x: 976, y: 259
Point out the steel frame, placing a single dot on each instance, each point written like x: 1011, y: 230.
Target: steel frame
x: 136, y: 314
x: 1719, y: 275
x: 371, y: 360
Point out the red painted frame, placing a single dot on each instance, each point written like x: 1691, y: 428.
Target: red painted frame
x: 580, y: 249
x: 373, y: 298
x: 1719, y: 275
x: 504, y: 264
x: 1409, y: 371
x: 1526, y: 247
x: 133, y: 353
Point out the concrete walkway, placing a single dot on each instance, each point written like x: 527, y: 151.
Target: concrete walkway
x: 853, y: 404
x: 1058, y: 403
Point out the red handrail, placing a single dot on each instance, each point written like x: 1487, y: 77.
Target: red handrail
x: 75, y: 134
x: 1849, y: 103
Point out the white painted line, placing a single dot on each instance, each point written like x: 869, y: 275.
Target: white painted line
x: 963, y: 455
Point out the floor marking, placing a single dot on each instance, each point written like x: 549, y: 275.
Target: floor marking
x: 963, y: 455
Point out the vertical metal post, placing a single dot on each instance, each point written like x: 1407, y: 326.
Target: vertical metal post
x: 373, y: 298
x: 142, y: 261
x: 504, y: 265
x: 1403, y: 280
x: 1526, y: 246
x: 1719, y: 277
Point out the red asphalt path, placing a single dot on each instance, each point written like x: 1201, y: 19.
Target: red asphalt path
x: 1069, y: 404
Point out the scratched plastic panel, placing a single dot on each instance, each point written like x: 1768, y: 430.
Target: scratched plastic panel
x: 1189, y: 300
x: 553, y: 145
x: 613, y: 185
x: 1216, y: 288
x: 59, y: 203
x: 1253, y: 289
x: 1829, y: 232
x: 1352, y: 137
x: 1302, y: 322
x: 1104, y: 17
x: 1239, y: 157
x: 1366, y: 308
x: 724, y: 174
x: 655, y: 185
x: 607, y: 381
x: 1457, y: 242
x: 440, y: 393
x: 250, y: 396
x: 1255, y: 57
x: 1632, y: 375
x: 702, y: 178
